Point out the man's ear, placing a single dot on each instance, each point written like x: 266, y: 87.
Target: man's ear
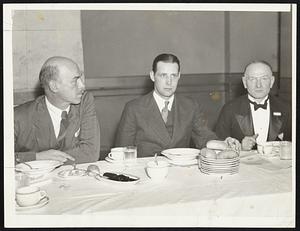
x: 244, y: 82
x: 272, y: 81
x: 53, y: 86
x: 152, y: 76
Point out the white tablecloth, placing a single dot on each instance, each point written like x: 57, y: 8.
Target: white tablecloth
x: 260, y: 194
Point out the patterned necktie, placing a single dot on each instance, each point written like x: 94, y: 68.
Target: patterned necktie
x: 256, y: 105
x: 165, y: 111
x: 63, y: 127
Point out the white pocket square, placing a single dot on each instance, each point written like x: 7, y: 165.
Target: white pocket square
x: 280, y: 136
x: 275, y: 113
x: 77, y: 133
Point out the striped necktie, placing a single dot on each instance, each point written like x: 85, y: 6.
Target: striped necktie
x: 165, y: 111
x: 63, y: 128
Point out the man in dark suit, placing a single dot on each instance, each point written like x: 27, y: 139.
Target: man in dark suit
x: 62, y: 124
x: 161, y: 119
x: 258, y: 116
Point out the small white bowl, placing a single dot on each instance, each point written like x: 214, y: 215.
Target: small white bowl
x: 159, y: 171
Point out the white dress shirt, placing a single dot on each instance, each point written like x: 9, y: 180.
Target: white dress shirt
x: 55, y: 114
x: 161, y: 102
x: 261, y: 120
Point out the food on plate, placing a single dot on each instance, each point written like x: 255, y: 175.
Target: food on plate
x: 216, y: 154
x: 71, y: 173
x: 227, y: 154
x: 118, y: 177
x: 217, y: 145
x: 208, y: 153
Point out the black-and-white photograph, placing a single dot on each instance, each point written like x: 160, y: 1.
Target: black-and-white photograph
x: 149, y: 115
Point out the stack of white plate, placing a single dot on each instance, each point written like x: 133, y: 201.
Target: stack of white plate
x: 219, y: 166
x: 182, y: 156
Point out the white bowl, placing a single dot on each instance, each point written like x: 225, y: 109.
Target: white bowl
x: 181, y: 153
x: 157, y: 171
x: 39, y: 167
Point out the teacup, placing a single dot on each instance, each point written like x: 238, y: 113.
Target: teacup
x: 29, y: 195
x: 157, y: 171
x: 266, y: 148
x: 285, y: 150
x: 117, y: 153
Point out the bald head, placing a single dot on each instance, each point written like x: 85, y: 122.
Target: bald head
x: 52, y: 67
x: 258, y: 66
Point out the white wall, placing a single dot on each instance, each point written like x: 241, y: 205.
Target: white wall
x: 38, y: 35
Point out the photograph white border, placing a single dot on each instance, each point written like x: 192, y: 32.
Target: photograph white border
x: 13, y: 220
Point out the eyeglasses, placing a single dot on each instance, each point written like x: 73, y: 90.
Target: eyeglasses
x: 165, y: 76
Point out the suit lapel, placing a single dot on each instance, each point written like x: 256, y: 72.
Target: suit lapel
x: 155, y: 121
x: 275, y: 121
x: 244, y: 118
x: 44, y: 130
x: 179, y: 115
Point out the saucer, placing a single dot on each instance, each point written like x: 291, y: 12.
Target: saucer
x: 72, y: 173
x: 41, y: 203
x: 110, y: 160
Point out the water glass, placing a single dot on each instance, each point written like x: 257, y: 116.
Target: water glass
x: 285, y: 150
x: 21, y: 179
x: 130, y: 153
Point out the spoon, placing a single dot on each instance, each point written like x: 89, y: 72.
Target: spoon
x: 28, y: 165
x: 74, y: 166
x: 155, y: 159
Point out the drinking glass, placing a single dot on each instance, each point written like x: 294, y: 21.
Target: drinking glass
x: 285, y: 150
x: 130, y: 153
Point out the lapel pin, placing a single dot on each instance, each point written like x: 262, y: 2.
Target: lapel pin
x: 276, y: 113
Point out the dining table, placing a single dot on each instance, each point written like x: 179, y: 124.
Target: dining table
x: 260, y: 194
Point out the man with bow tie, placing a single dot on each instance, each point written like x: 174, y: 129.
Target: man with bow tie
x: 163, y: 119
x: 258, y: 116
x: 62, y: 124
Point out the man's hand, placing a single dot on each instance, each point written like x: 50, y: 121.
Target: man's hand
x: 53, y: 155
x: 233, y: 144
x: 248, y: 142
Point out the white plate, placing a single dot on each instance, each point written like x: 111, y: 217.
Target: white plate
x: 218, y: 173
x: 40, y: 167
x: 220, y: 161
x: 137, y: 179
x: 219, y: 169
x: 220, y: 165
x: 181, y: 153
x: 41, y: 203
x: 110, y: 160
x: 183, y: 162
x: 71, y: 173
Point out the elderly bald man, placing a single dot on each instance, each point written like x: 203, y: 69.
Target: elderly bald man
x: 257, y: 116
x: 62, y: 124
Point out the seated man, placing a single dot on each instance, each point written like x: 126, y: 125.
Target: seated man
x: 161, y: 119
x: 62, y: 124
x: 258, y: 116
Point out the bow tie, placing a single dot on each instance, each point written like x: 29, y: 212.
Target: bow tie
x: 263, y: 106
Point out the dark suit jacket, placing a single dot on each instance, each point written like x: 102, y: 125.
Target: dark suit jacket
x: 34, y: 132
x: 142, y: 125
x: 235, y: 119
